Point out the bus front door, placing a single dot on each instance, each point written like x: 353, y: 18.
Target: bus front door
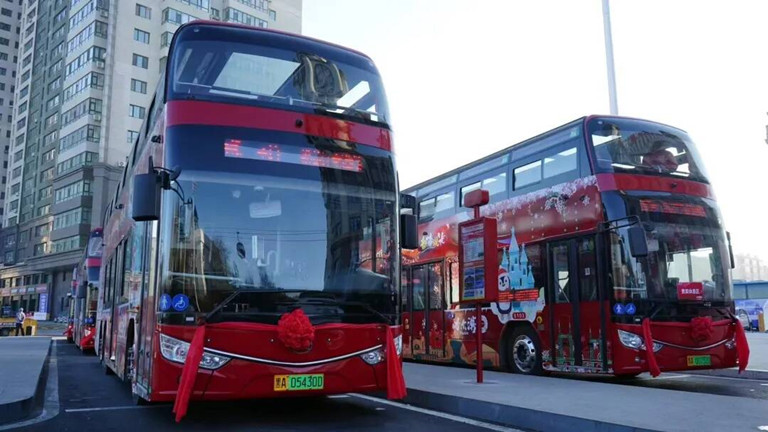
x: 575, y: 321
x: 427, y: 319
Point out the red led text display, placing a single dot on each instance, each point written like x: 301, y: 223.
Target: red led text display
x: 651, y: 206
x: 276, y: 153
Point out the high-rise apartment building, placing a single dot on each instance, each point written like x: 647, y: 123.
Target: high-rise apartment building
x: 10, y: 33
x: 87, y: 71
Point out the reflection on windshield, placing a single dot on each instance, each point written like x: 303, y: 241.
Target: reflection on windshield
x: 644, y: 148
x: 686, y: 260
x: 269, y: 236
x: 247, y: 71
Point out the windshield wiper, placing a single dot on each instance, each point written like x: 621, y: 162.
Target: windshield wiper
x: 334, y: 302
x: 351, y: 112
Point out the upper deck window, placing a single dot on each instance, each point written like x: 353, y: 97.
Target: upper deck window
x: 640, y: 147
x: 224, y: 63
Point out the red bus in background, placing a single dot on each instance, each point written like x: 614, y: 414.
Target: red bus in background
x: 609, y: 235
x: 85, y: 284
x: 256, y: 229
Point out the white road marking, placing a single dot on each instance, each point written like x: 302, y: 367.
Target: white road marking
x: 663, y: 377
x: 114, y: 408
x: 51, y: 404
x: 731, y: 378
x: 468, y: 421
x: 341, y: 396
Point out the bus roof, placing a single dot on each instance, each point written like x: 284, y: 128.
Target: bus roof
x: 530, y: 142
x: 267, y: 30
x: 517, y: 146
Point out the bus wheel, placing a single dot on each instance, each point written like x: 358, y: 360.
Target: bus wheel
x: 138, y: 400
x: 524, y: 352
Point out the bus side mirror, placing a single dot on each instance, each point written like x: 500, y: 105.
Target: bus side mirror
x: 409, y: 235
x: 638, y: 245
x: 146, y: 197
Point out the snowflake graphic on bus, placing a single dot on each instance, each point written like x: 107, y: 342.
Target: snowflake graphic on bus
x: 517, y: 285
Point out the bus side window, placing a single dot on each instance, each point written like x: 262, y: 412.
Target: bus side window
x: 426, y: 210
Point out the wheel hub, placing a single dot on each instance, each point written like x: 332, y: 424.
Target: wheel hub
x: 524, y: 353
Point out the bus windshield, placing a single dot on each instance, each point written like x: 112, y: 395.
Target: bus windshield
x: 281, y: 223
x: 641, y: 147
x: 207, y: 65
x: 688, y: 254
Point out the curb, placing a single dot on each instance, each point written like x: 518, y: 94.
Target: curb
x: 753, y: 374
x: 511, y: 416
x: 27, y: 408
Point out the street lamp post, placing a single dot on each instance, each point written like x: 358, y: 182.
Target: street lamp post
x: 609, y: 59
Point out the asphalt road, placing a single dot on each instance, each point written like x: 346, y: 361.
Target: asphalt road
x: 90, y: 400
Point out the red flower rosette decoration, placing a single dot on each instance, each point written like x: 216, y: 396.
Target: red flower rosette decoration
x: 701, y: 329
x: 295, y: 331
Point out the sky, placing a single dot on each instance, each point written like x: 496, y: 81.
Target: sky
x: 465, y: 79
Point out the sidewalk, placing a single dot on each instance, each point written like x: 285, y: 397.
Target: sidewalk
x: 22, y: 376
x: 555, y: 404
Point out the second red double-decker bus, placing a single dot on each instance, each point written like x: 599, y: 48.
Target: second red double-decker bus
x: 612, y: 257
x: 256, y: 227
x: 86, y: 292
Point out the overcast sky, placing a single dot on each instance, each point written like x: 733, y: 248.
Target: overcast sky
x: 467, y: 78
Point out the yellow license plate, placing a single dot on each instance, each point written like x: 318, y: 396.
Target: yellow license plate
x: 700, y: 360
x: 299, y: 382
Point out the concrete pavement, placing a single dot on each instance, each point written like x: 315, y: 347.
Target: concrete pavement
x: 555, y: 404
x: 22, y: 376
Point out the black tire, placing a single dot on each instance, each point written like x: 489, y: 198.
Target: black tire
x: 524, y: 352
x: 138, y: 400
x: 107, y: 369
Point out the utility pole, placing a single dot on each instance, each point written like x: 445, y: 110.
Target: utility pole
x: 609, y: 58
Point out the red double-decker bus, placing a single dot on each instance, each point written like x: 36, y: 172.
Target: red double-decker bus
x: 252, y: 248
x: 86, y: 293
x: 609, y: 237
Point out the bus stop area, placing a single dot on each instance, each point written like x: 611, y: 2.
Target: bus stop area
x: 558, y: 404
x: 23, y: 366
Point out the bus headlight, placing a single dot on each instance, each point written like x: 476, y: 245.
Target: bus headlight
x: 176, y: 350
x: 373, y: 357
x: 631, y: 340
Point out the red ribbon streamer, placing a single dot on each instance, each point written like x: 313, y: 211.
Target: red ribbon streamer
x: 653, y: 367
x: 395, y: 381
x: 742, y: 346
x: 189, y: 373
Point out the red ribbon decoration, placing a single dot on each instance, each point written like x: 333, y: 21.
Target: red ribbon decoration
x: 395, y: 378
x: 701, y: 328
x: 395, y: 381
x: 742, y: 346
x: 189, y: 373
x: 295, y: 331
x: 653, y: 367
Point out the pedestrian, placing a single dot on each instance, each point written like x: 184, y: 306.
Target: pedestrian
x: 20, y: 317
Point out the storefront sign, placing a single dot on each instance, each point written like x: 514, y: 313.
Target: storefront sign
x: 30, y: 290
x: 41, y: 289
x: 5, y: 292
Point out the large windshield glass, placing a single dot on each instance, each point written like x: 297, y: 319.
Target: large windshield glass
x: 272, y: 69
x: 687, y: 259
x: 640, y: 147
x: 283, y: 220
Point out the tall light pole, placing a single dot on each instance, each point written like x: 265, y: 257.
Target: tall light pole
x: 609, y: 58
